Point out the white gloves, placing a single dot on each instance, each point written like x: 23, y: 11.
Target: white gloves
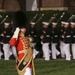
x: 16, y: 33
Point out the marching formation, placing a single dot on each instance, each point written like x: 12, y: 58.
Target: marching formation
x: 5, y: 36
x: 55, y: 40
x: 60, y: 39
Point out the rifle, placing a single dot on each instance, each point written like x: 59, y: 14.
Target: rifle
x: 40, y: 18
x: 52, y: 18
x: 4, y: 19
x: 34, y: 18
x: 61, y: 17
x: 71, y: 18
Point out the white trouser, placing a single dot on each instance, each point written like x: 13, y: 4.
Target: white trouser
x: 67, y: 51
x: 1, y: 54
x: 13, y: 49
x: 6, y: 48
x: 55, y: 52
x: 73, y: 50
x: 46, y: 51
x: 28, y: 71
x: 0, y: 51
x: 62, y: 49
x: 35, y: 52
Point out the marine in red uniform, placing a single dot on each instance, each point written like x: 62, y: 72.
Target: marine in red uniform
x: 24, y: 51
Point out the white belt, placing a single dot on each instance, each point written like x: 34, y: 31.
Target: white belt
x: 47, y: 35
x: 62, y: 36
x: 68, y: 36
x: 34, y: 35
x: 1, y: 35
x: 22, y: 51
x: 74, y: 36
x: 56, y: 35
x: 7, y: 36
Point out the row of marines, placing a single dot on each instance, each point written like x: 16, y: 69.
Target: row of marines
x: 59, y: 39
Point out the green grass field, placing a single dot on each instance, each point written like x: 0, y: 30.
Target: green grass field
x: 52, y: 67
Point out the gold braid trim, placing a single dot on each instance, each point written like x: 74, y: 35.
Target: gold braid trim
x: 23, y: 71
x: 27, y: 57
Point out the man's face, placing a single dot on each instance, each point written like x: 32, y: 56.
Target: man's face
x: 62, y: 25
x: 32, y: 25
x: 6, y: 26
x: 23, y: 30
x: 53, y: 26
x: 45, y: 26
x: 66, y: 26
x: 72, y: 26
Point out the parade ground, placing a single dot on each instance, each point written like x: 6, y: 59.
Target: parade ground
x: 42, y: 67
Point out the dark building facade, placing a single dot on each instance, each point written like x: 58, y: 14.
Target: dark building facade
x: 26, y: 5
x: 56, y: 4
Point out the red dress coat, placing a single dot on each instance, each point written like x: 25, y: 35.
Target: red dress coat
x: 20, y: 45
